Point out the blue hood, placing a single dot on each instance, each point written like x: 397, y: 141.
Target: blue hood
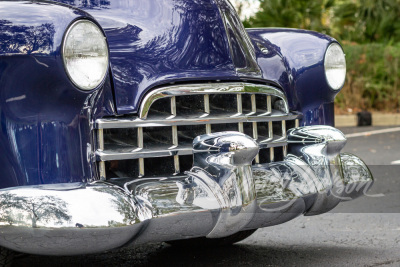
x: 155, y: 42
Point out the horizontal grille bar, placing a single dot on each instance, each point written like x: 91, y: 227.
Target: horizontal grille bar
x: 203, y: 119
x: 119, y: 152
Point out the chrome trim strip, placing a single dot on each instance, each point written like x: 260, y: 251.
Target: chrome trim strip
x: 129, y: 152
x: 135, y: 153
x: 208, y: 128
x: 240, y: 111
x: 208, y: 88
x: 239, y: 103
x: 173, y: 106
x: 272, y: 154
x: 140, y: 137
x: 270, y: 129
x: 284, y: 128
x: 253, y: 104
x: 102, y: 170
x: 254, y: 124
x: 140, y: 146
x: 175, y: 141
x: 198, y: 120
x: 100, y: 139
x: 100, y: 144
x: 207, y: 111
x: 207, y: 104
x: 255, y: 136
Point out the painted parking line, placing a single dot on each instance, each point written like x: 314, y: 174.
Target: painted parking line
x: 396, y: 162
x: 368, y: 133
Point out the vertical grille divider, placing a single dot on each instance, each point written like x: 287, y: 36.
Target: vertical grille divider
x: 207, y: 110
x: 284, y: 135
x: 253, y: 104
x: 255, y: 129
x: 269, y: 104
x: 270, y: 130
x: 175, y: 136
x: 269, y: 109
x: 140, y: 145
x: 283, y: 128
x: 240, y: 111
x: 271, y: 136
x: 272, y: 154
x: 102, y: 165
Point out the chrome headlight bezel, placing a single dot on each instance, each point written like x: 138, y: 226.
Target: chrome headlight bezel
x: 335, y: 66
x: 91, y: 83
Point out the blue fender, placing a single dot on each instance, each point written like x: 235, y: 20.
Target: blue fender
x: 294, y: 59
x: 45, y: 131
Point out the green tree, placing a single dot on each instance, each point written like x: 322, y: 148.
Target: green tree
x: 37, y: 208
x: 305, y: 14
x: 367, y: 20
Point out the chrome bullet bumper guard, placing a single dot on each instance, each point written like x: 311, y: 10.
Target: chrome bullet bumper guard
x: 221, y: 195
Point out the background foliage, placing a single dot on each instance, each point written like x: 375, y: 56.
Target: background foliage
x: 373, y: 78
x: 369, y: 31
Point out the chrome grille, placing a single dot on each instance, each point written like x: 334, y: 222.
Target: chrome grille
x: 159, y: 140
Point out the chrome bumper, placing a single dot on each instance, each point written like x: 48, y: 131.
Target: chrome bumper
x: 221, y: 195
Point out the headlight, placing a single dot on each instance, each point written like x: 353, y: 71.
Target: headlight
x: 335, y: 66
x: 85, y: 54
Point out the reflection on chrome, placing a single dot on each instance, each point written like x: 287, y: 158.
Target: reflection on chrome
x: 222, y: 194
x: 320, y: 149
x: 223, y: 160
x: 357, y: 177
x: 197, y: 89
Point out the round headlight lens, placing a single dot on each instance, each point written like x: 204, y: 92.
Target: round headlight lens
x: 85, y: 54
x: 335, y: 66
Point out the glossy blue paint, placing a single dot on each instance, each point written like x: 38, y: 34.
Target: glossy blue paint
x: 241, y: 47
x: 183, y: 41
x: 46, y: 134
x: 193, y: 46
x: 155, y: 42
x: 45, y: 131
x: 295, y: 61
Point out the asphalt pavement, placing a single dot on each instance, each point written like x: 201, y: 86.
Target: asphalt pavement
x: 363, y: 232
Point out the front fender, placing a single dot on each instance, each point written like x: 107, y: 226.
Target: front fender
x: 45, y: 129
x: 294, y: 59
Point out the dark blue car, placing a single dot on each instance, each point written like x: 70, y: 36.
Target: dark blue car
x: 133, y: 121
